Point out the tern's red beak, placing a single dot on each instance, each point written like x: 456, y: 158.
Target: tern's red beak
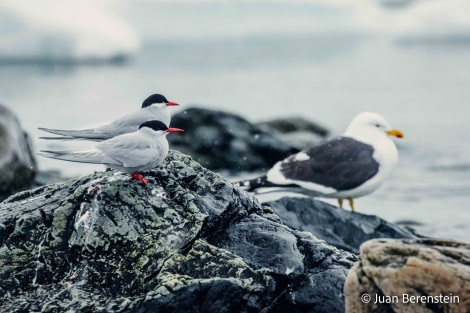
x: 169, y: 104
x: 174, y: 130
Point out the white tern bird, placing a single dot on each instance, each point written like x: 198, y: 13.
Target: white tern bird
x: 154, y: 108
x: 132, y: 153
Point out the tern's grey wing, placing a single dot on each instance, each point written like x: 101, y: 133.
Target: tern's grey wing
x: 130, y: 123
x: 127, y: 124
x: 124, y: 125
x: 133, y: 150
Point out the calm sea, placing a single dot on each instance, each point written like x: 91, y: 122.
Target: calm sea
x: 422, y: 90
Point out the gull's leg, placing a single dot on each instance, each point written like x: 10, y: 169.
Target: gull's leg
x: 139, y: 177
x: 340, y: 202
x: 351, y: 204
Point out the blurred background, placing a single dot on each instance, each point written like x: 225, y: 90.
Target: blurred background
x: 72, y: 64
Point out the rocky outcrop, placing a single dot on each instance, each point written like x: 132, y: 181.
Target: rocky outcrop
x: 220, y: 140
x: 297, y: 131
x: 189, y: 241
x: 415, y: 276
x: 17, y: 164
x: 340, y: 228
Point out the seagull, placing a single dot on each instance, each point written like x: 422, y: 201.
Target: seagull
x: 349, y: 166
x: 154, y: 108
x: 132, y: 153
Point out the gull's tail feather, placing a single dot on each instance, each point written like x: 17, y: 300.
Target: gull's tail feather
x: 89, y: 156
x: 84, y: 133
x: 252, y: 185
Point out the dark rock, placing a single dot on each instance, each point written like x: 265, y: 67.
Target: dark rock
x: 295, y: 124
x: 188, y: 242
x: 220, y: 140
x: 340, y: 228
x: 299, y: 132
x: 17, y: 163
x: 412, y: 275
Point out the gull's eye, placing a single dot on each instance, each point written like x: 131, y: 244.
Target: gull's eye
x: 377, y: 125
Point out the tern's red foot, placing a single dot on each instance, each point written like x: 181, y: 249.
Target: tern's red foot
x: 139, y: 177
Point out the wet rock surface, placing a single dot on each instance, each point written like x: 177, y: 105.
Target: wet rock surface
x: 220, y: 140
x: 17, y: 163
x: 340, y: 228
x: 188, y: 242
x: 392, y: 271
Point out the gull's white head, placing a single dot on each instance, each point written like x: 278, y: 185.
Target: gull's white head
x: 370, y: 127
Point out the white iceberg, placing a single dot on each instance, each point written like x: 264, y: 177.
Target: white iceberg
x: 62, y: 31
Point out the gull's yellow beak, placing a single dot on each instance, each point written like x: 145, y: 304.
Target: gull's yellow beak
x: 396, y: 133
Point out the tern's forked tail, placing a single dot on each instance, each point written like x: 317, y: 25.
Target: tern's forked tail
x: 70, y: 134
x: 90, y: 156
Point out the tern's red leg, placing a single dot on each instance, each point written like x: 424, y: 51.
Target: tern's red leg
x: 139, y: 177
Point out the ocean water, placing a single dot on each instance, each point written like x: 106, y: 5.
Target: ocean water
x: 326, y: 76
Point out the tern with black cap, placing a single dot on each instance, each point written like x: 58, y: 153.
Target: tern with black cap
x: 131, y: 153
x: 154, y: 108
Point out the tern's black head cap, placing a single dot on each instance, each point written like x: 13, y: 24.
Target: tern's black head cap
x: 155, y: 98
x: 155, y: 125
